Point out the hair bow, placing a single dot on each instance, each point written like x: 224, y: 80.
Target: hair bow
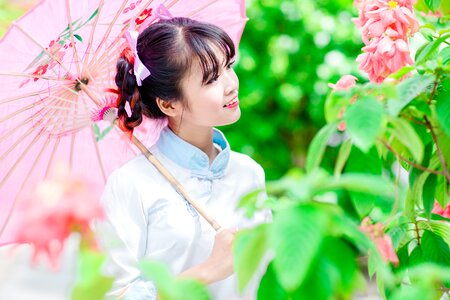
x: 140, y: 70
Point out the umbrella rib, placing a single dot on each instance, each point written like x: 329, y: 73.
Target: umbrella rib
x: 110, y: 26
x: 72, y: 38
x: 52, y: 156
x: 43, y: 48
x: 125, y: 27
x: 91, y: 36
x: 204, y: 6
x: 33, y: 166
x: 97, y: 152
x: 14, y: 74
x: 82, y: 85
x: 15, y: 98
x: 7, y: 134
x: 11, y: 170
x: 106, y: 58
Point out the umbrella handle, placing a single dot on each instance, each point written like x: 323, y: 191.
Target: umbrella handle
x: 178, y: 187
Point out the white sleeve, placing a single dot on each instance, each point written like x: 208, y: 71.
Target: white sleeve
x: 122, y: 235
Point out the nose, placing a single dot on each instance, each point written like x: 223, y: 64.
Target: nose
x: 231, y: 82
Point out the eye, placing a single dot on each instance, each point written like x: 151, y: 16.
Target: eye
x: 212, y: 80
x: 231, y: 64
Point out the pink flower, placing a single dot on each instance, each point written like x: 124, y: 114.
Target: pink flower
x: 384, y: 56
x: 385, y: 27
x: 383, y: 241
x: 55, y: 209
x: 437, y: 209
x: 344, y: 83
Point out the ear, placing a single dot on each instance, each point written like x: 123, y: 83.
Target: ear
x: 169, y: 108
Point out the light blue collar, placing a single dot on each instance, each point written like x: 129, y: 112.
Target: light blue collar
x: 191, y: 157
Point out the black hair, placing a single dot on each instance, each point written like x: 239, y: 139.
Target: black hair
x: 168, y: 48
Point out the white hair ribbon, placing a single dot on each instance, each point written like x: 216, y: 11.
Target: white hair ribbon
x: 163, y: 13
x: 140, y: 70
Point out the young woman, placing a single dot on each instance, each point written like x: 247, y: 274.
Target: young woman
x: 188, y: 79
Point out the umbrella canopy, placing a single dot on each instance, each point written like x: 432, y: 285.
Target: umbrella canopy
x: 57, y: 68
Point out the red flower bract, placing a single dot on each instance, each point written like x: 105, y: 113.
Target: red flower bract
x: 54, y: 210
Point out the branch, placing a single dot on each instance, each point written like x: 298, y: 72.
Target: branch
x: 411, y: 163
x: 438, y: 150
x: 433, y: 92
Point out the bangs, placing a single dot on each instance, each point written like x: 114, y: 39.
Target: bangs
x: 212, y: 47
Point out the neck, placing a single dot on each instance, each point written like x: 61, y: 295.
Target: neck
x: 200, y: 137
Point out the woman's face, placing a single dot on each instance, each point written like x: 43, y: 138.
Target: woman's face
x: 214, y: 103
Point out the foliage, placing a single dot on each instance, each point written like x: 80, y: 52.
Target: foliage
x: 289, y: 51
x: 388, y: 164
x: 171, y: 288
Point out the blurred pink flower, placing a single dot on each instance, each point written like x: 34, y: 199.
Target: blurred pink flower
x: 385, y: 27
x: 55, y: 209
x: 344, y: 83
x: 383, y: 241
x: 384, y: 56
x: 445, y: 212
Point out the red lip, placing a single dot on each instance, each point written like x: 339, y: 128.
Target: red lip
x: 233, y: 104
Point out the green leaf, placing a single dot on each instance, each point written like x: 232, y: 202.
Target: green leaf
x: 430, y: 49
x: 371, y: 184
x: 90, y: 283
x: 363, y: 203
x: 344, y: 152
x: 250, y: 202
x: 78, y: 37
x: 364, y: 122
x: 96, y: 130
x: 435, y: 249
x: 249, y: 248
x: 408, y: 90
x: 443, y: 106
x: 439, y: 228
x: 415, y: 193
x: 414, y: 292
x: 317, y: 147
x: 191, y: 289
x: 445, y: 54
x: 406, y: 134
x: 342, y: 258
x: 433, y: 4
x: 296, y: 235
x: 402, y: 72
x: 441, y: 192
x: 270, y: 287
x: 429, y: 190
x: 160, y: 275
x: 427, y: 33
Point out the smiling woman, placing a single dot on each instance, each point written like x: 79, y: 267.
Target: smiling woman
x: 181, y: 71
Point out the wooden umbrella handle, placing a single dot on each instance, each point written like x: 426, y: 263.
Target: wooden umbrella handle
x: 178, y: 187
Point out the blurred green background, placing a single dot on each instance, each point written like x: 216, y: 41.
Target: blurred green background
x: 289, y: 52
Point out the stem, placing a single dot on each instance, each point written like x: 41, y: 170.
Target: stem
x: 433, y: 92
x: 438, y: 150
x: 417, y: 232
x: 397, y: 196
x: 413, y: 164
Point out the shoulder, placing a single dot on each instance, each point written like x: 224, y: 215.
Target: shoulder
x: 129, y: 179
x: 129, y: 171
x: 244, y: 164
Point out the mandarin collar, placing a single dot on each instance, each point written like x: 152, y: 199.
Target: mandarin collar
x: 191, y: 157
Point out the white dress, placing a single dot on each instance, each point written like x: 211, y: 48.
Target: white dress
x: 147, y: 219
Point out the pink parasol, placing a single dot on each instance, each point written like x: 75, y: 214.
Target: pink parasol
x: 57, y: 67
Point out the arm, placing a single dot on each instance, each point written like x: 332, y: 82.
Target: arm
x: 122, y: 235
x: 219, y: 264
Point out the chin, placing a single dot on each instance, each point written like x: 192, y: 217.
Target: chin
x: 232, y: 119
